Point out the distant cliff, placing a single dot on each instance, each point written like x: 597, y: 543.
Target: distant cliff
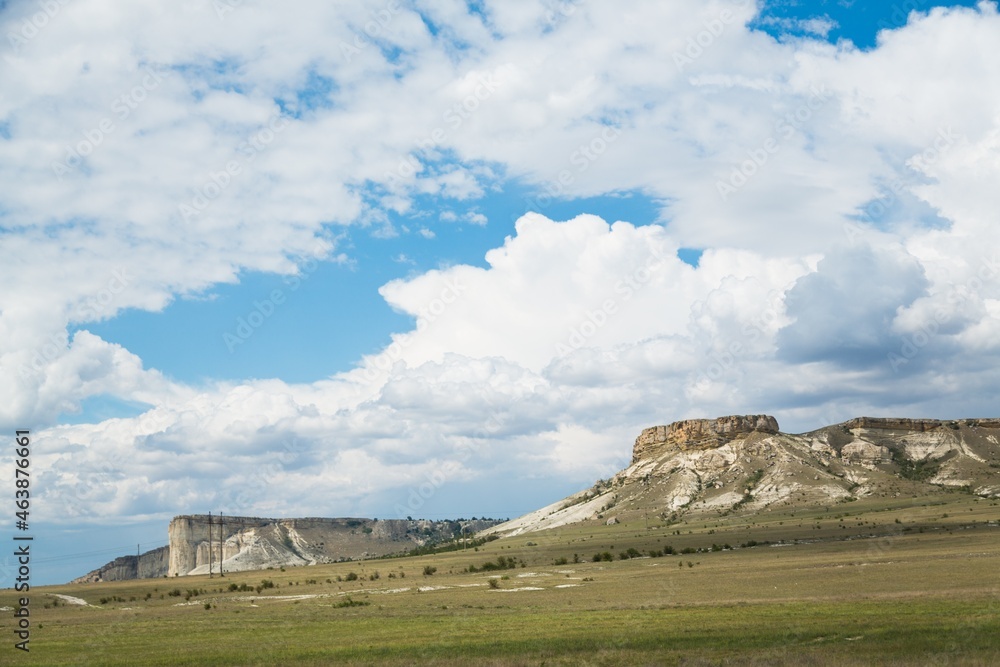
x: 147, y: 566
x: 255, y: 543
x: 250, y: 543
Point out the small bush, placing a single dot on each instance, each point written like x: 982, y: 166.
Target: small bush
x: 351, y: 576
x: 429, y: 570
x: 494, y: 583
x: 348, y: 602
x: 501, y: 563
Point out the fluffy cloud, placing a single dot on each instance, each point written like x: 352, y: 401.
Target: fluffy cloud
x: 844, y: 199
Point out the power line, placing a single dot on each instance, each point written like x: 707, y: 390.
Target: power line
x: 101, y: 552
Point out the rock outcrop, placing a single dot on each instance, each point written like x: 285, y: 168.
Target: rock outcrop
x: 149, y: 565
x: 891, y: 424
x: 255, y: 543
x: 699, y: 434
x: 713, y: 467
x: 189, y: 539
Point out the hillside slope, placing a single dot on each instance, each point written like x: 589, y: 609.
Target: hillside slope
x: 745, y: 464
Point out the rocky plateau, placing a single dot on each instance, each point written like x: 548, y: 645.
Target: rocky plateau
x: 745, y: 464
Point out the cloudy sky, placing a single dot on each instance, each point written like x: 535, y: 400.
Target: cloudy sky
x: 441, y: 258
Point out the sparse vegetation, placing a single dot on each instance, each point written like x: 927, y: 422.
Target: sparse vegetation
x: 745, y: 606
x: 917, y: 471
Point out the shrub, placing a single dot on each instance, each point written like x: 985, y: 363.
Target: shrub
x: 429, y: 570
x: 494, y: 583
x: 348, y: 602
x: 351, y: 576
x: 501, y: 563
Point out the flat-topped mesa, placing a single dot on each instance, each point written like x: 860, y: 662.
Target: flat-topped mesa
x: 916, y: 425
x: 698, y: 434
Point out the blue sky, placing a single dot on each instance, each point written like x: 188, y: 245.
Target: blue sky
x: 857, y: 22
x: 332, y: 314
x: 281, y: 267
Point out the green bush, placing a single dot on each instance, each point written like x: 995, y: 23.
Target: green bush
x: 348, y: 602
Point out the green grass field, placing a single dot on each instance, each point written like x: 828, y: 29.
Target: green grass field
x: 925, y: 590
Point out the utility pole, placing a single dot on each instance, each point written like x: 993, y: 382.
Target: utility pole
x: 222, y: 538
x: 209, y: 545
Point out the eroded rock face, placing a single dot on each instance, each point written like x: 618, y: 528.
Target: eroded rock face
x: 149, y: 565
x: 250, y: 543
x: 189, y: 539
x: 894, y: 424
x: 866, y: 452
x: 699, y: 434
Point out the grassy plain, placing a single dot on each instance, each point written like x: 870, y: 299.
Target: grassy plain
x: 878, y: 582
